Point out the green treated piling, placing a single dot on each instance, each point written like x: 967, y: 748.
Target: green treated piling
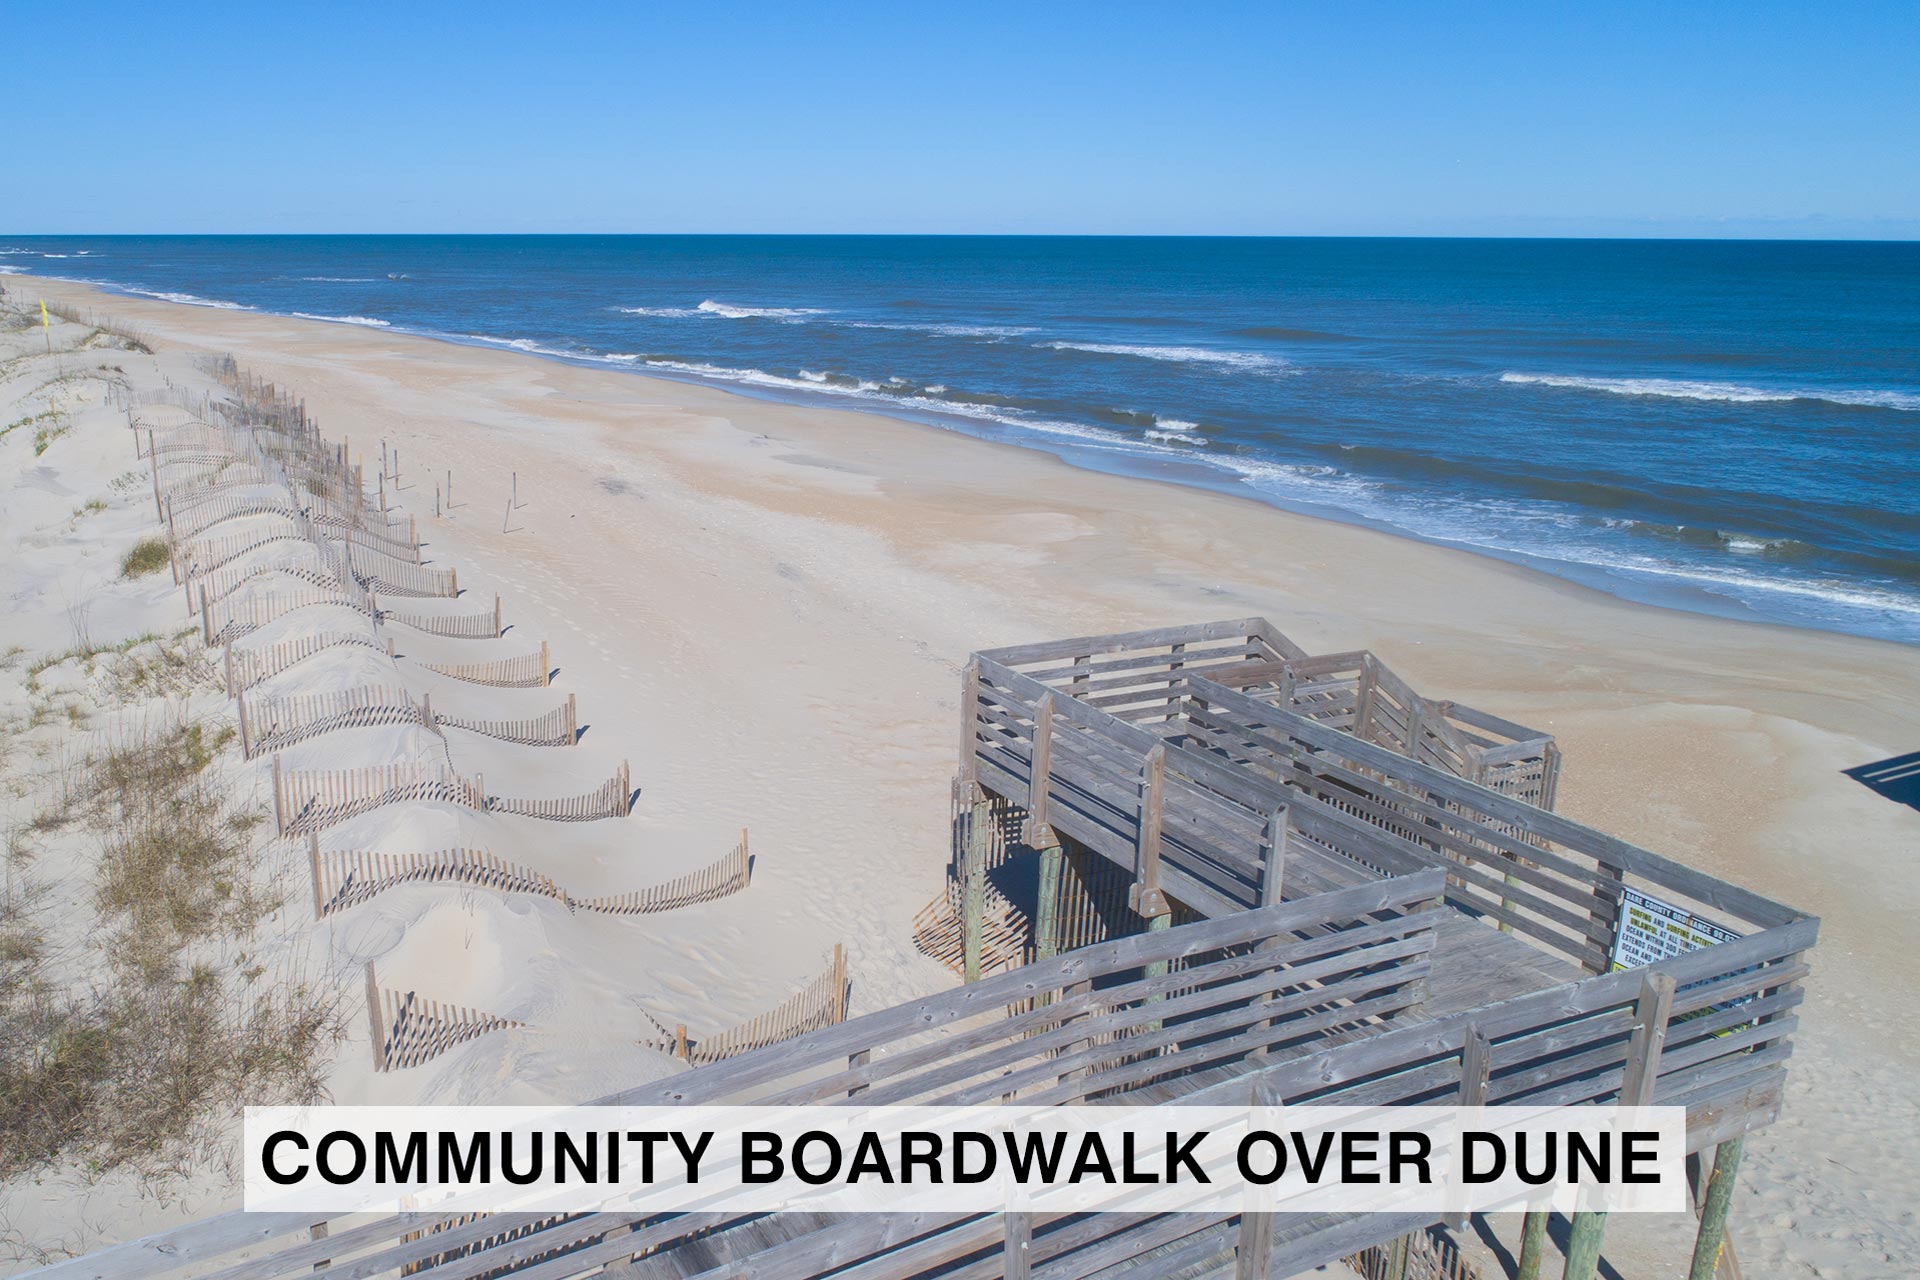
x: 1708, y: 1245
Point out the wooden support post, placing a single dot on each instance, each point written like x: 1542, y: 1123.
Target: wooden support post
x: 1273, y: 872
x: 1363, y: 701
x: 206, y: 617
x: 1476, y: 1074
x: 1712, y: 1242
x: 1145, y: 896
x: 969, y: 772
x: 1398, y: 1250
x: 496, y: 616
x: 1017, y: 1262
x: 1039, y: 832
x: 246, y: 742
x: 1637, y: 1081
x: 1533, y: 1243
x: 279, y: 805
x: 1253, y: 1252
x: 1047, y: 909
x: 680, y: 1049
x: 973, y: 888
x: 1155, y: 969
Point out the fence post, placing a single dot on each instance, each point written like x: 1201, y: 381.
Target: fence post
x: 279, y: 805
x: 373, y: 1021
x: 313, y: 864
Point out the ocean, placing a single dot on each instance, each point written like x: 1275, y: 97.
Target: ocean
x: 1729, y: 427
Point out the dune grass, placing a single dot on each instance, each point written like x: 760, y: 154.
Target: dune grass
x: 131, y: 1060
x: 149, y: 555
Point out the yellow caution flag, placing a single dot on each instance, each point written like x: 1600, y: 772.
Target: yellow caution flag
x: 43, y: 315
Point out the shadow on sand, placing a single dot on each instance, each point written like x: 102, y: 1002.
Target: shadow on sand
x: 1897, y: 778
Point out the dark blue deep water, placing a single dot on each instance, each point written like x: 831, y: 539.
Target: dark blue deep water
x: 1725, y: 426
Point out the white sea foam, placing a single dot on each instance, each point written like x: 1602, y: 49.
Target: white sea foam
x: 344, y: 279
x: 678, y: 313
x: 1175, y: 431
x: 991, y: 331
x: 8, y: 270
x: 1731, y: 392
x: 185, y: 299
x: 1177, y: 355
x: 365, y: 321
x: 731, y: 312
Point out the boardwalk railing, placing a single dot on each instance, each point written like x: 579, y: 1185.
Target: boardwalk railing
x: 1133, y: 676
x: 1188, y: 798
x: 1088, y: 1024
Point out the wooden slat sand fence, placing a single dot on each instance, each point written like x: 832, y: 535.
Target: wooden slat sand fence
x: 728, y: 875
x: 269, y: 724
x: 345, y: 878
x: 310, y: 799
x: 231, y: 619
x: 391, y: 575
x: 533, y: 670
x: 470, y: 626
x: 611, y: 799
x: 1421, y: 1255
x: 409, y: 1029
x: 821, y: 1003
x: 296, y: 562
x: 189, y: 520
x: 210, y: 476
x: 939, y: 931
x: 246, y: 668
x: 200, y: 556
x: 557, y: 728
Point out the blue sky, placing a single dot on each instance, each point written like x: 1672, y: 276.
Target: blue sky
x: 1443, y: 119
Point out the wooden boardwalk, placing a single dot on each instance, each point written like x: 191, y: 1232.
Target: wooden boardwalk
x: 1345, y: 893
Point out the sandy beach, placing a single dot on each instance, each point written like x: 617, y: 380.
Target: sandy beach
x: 763, y: 610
